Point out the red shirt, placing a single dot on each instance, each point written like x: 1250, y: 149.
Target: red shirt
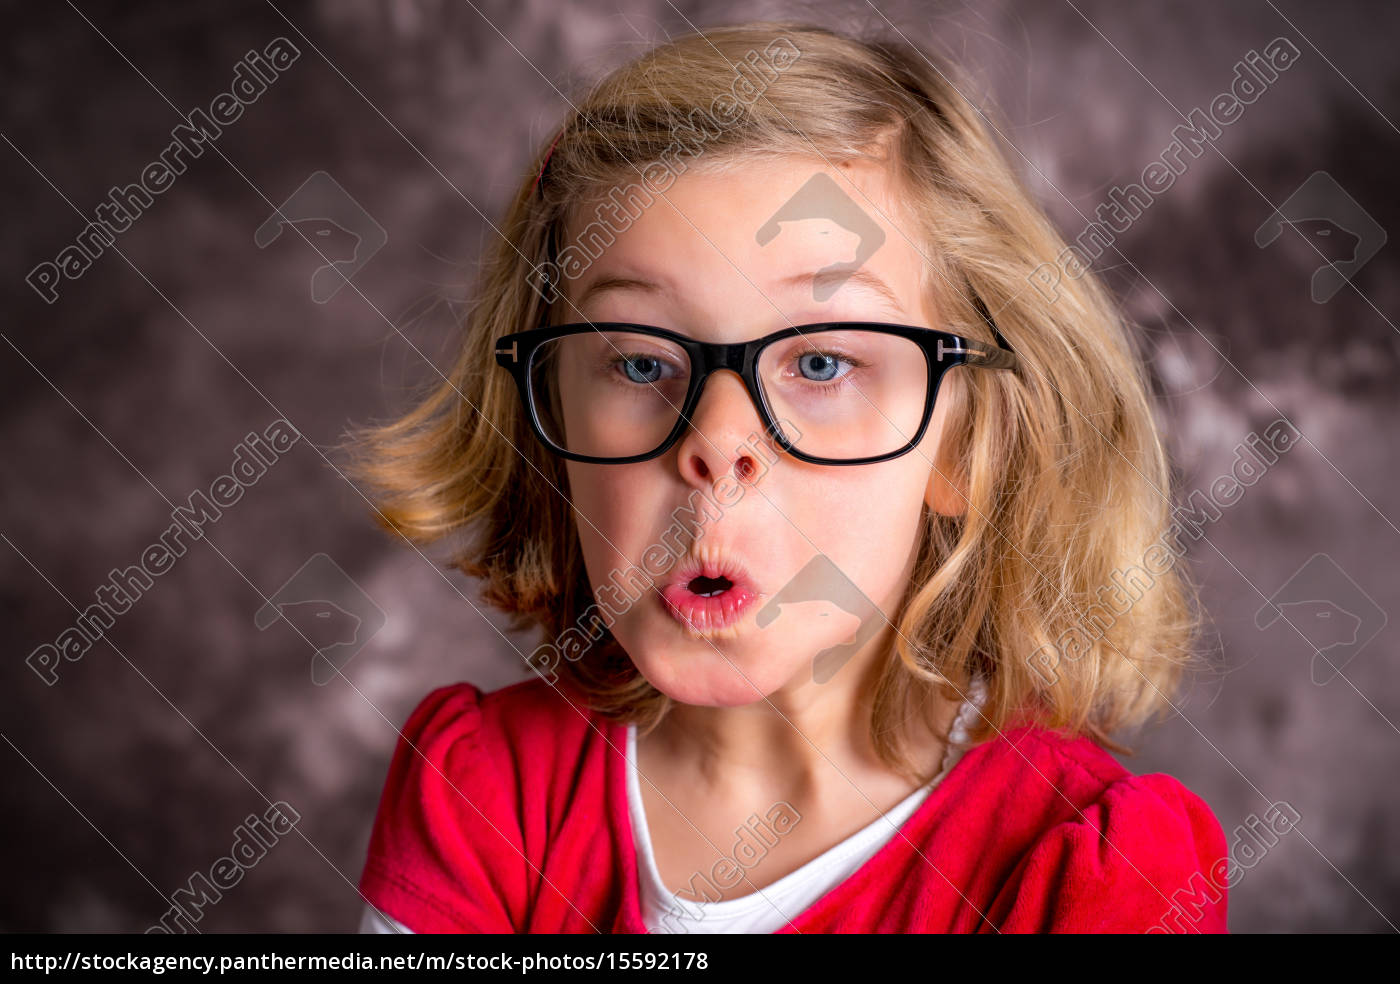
x: 507, y: 812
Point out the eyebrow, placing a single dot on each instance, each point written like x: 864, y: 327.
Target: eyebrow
x: 825, y: 277
x: 842, y: 277
x: 604, y: 285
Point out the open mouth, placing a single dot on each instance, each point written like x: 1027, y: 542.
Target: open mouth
x: 710, y: 587
x: 709, y: 595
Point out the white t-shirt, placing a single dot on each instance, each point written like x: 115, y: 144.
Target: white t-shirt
x: 771, y: 907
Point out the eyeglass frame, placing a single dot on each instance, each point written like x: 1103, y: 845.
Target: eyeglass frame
x: 942, y: 351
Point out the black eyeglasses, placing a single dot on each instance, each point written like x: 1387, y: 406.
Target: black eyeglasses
x: 831, y: 393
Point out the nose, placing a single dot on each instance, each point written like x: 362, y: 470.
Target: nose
x: 723, y: 431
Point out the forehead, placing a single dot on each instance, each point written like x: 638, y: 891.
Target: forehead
x: 771, y: 234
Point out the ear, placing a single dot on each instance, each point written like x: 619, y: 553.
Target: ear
x: 942, y: 496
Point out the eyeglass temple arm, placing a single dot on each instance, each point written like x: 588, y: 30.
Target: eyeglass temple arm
x: 1002, y: 357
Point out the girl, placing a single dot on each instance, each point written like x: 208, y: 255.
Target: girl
x: 845, y: 580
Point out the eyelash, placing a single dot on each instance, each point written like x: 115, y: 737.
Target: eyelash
x: 615, y: 363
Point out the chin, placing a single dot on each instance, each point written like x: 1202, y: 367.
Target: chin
x: 711, y: 680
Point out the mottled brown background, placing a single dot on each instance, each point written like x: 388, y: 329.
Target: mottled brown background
x: 133, y: 771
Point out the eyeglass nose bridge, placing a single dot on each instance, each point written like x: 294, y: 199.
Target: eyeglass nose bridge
x: 718, y: 355
x: 738, y: 358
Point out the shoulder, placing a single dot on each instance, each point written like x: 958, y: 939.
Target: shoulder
x: 1103, y: 849
x: 493, y: 753
x: 450, y: 841
x: 492, y: 726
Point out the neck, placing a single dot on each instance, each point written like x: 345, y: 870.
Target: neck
x: 802, y: 741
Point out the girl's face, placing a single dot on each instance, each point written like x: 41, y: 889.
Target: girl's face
x: 692, y: 262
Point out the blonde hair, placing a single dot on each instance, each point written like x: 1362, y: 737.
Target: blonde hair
x: 1065, y: 476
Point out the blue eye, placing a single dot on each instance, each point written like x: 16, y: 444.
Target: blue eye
x: 646, y: 370
x: 642, y: 369
x: 818, y: 366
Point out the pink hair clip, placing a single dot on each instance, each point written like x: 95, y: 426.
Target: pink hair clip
x: 545, y: 163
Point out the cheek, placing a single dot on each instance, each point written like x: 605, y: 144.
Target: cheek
x: 613, y: 506
x: 867, y: 522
